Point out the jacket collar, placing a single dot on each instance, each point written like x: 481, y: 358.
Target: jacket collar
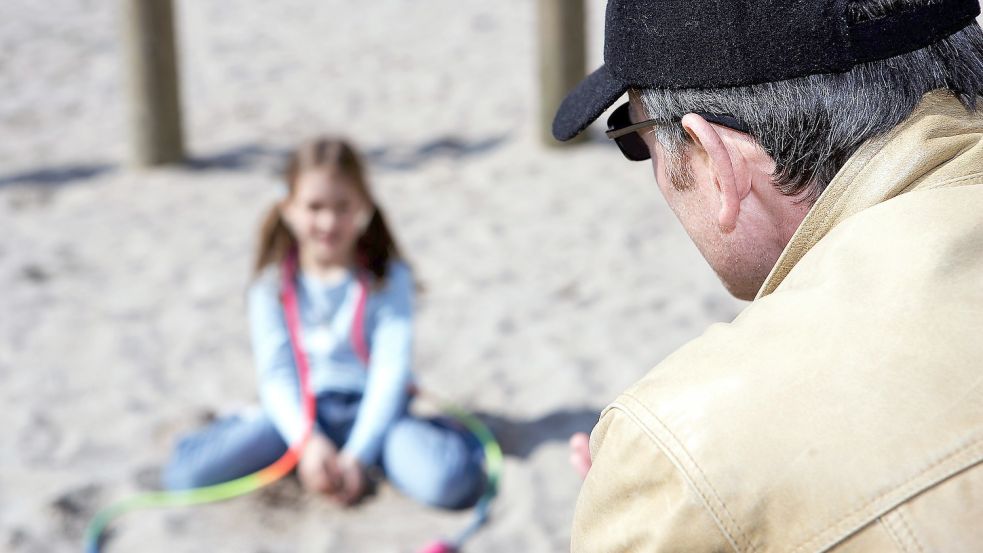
x: 911, y: 156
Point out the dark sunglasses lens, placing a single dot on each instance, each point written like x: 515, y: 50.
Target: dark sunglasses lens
x: 619, y: 118
x: 631, y: 145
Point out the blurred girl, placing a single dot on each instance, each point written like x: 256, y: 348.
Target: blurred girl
x: 359, y: 369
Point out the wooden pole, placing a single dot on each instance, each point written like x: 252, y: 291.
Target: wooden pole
x: 152, y: 82
x: 562, y: 58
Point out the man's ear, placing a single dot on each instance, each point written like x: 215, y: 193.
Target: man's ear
x: 722, y: 168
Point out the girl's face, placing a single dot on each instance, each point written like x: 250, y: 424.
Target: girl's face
x: 327, y: 215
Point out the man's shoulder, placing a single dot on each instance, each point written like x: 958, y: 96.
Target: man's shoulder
x: 890, y: 289
x: 852, y: 387
x: 853, y: 384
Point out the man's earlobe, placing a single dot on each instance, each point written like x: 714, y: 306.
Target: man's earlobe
x: 722, y: 170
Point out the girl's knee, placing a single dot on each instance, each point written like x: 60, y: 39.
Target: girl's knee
x: 433, y: 465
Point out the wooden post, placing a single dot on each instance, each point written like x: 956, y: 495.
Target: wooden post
x: 152, y: 82
x: 562, y: 58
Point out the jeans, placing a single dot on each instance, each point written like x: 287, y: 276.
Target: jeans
x: 431, y: 461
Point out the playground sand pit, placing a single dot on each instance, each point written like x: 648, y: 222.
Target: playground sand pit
x: 553, y: 278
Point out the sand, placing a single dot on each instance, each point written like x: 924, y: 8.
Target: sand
x: 554, y: 277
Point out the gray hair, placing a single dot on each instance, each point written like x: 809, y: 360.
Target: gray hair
x: 811, y: 125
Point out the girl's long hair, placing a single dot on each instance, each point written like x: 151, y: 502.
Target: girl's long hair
x: 374, y: 249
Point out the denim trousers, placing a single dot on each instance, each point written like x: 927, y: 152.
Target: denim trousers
x: 433, y: 461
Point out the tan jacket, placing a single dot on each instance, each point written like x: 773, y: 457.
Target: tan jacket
x: 843, y: 409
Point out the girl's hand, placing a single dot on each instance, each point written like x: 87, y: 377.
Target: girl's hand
x: 353, y: 481
x: 317, y: 468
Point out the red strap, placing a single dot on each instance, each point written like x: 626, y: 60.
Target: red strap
x: 293, y: 319
x: 358, y: 322
x: 293, y: 325
x: 291, y: 312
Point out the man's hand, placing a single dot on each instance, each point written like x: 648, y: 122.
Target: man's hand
x: 353, y: 481
x: 580, y: 453
x: 317, y: 468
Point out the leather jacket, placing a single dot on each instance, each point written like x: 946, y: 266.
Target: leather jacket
x: 842, y: 410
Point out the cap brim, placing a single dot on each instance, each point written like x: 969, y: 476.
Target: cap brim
x: 586, y: 103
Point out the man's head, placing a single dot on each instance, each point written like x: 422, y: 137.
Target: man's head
x: 802, y: 107
x: 719, y: 185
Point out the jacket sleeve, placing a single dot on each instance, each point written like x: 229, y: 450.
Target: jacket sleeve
x: 279, y: 388
x: 635, y: 500
x: 391, y: 357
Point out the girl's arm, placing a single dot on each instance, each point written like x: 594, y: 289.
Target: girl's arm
x: 277, y: 374
x: 389, y: 367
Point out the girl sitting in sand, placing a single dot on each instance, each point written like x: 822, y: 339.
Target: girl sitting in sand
x: 359, y: 373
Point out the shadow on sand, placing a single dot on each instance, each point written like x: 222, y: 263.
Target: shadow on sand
x: 247, y: 157
x: 251, y: 157
x: 54, y: 177
x: 405, y: 158
x: 520, y: 438
x: 389, y: 157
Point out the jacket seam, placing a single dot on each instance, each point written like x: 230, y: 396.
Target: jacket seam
x: 912, y: 537
x: 954, y: 180
x: 906, y: 489
x: 727, y: 527
x: 892, y: 533
x: 901, y: 531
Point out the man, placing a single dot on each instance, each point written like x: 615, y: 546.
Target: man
x: 827, y: 160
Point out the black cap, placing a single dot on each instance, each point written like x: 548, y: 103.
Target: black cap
x: 711, y: 44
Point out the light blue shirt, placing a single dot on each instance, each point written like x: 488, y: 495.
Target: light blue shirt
x: 326, y: 313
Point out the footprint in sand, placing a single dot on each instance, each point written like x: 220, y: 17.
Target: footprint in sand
x: 73, y: 509
x: 19, y: 540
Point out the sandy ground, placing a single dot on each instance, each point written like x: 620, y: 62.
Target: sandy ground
x: 555, y: 277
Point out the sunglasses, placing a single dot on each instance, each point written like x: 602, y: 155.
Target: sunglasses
x: 625, y: 133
